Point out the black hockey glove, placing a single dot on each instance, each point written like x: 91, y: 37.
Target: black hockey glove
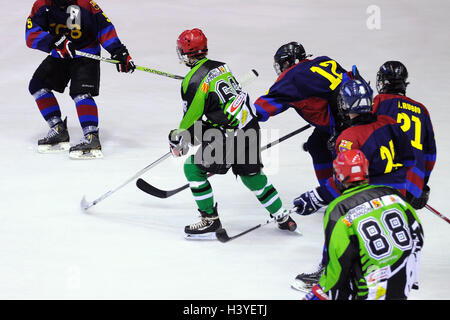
x: 63, y: 46
x: 421, y: 202
x: 178, y: 143
x: 331, y: 143
x: 126, y: 63
x: 308, y: 202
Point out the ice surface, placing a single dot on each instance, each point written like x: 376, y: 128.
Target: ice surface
x: 131, y: 246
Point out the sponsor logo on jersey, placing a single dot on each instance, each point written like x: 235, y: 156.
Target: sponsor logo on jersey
x: 214, y: 73
x: 345, y: 145
x: 356, y: 212
x: 377, y: 282
x: 238, y: 101
x: 205, y: 87
x: 94, y: 5
x: 376, y: 203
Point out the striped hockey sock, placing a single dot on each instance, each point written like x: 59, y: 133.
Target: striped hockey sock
x: 265, y: 192
x: 200, y: 186
x: 48, y: 106
x: 87, y: 112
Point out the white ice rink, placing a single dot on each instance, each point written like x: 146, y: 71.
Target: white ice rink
x: 131, y: 245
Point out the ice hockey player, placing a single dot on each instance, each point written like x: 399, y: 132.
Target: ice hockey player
x: 211, y: 93
x: 415, y: 120
x: 373, y: 238
x: 60, y: 27
x: 310, y: 87
x: 384, y: 144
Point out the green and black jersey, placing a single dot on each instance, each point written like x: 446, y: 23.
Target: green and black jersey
x: 373, y: 240
x: 211, y: 93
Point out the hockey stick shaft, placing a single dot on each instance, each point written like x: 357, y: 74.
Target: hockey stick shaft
x: 86, y: 205
x: 440, y: 215
x: 148, y: 188
x: 145, y: 69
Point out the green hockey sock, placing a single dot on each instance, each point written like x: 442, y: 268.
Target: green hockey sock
x: 200, y: 186
x: 264, y: 191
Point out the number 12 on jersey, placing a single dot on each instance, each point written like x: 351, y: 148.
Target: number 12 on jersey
x: 334, y: 77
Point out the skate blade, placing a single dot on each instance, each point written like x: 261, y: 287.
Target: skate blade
x: 55, y: 148
x: 203, y: 236
x: 300, y: 286
x: 80, y: 155
x: 84, y: 204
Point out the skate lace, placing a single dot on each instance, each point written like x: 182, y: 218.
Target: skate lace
x: 52, y: 133
x: 202, y: 223
x: 83, y: 140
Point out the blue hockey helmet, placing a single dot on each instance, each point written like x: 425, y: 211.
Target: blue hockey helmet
x: 355, y: 96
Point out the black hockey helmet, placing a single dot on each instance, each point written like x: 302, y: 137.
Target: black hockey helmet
x: 62, y: 3
x: 288, y: 55
x: 391, y: 78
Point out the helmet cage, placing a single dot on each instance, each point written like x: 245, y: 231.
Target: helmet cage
x: 355, y: 96
x: 391, y: 78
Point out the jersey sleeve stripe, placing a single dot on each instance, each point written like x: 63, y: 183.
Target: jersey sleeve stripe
x: 110, y: 42
x: 269, y: 106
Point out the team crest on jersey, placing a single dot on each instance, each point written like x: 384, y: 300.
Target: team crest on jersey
x: 345, y: 145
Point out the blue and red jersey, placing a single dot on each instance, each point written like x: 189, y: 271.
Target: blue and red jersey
x: 83, y: 22
x: 414, y: 120
x: 310, y: 88
x: 387, y: 148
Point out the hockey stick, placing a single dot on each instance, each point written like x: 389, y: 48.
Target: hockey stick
x: 440, y: 215
x: 160, y: 73
x: 148, y: 188
x: 223, y: 236
x: 86, y: 205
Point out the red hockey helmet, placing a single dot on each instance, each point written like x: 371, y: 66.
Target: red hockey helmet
x: 351, y: 166
x: 191, y: 43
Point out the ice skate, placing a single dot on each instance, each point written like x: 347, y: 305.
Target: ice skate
x: 206, y: 228
x: 305, y: 281
x: 57, y: 139
x: 88, y: 148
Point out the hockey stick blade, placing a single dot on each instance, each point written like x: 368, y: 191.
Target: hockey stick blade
x: 163, y: 194
x: 222, y: 234
x: 84, y: 204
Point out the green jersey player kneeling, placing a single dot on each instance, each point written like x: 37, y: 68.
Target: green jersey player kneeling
x: 373, y: 238
x: 219, y: 118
